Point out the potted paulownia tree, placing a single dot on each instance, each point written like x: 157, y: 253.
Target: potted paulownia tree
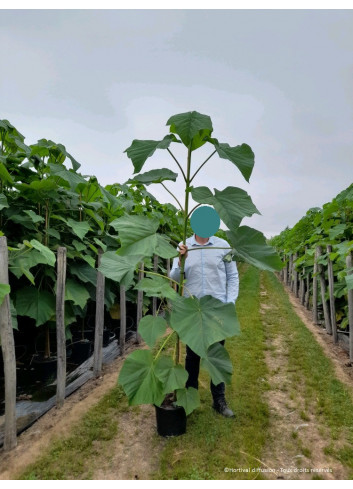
x: 150, y: 376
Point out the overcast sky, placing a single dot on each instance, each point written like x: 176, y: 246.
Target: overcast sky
x: 280, y: 81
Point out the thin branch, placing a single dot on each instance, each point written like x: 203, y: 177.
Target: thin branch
x: 167, y: 278
x: 201, y: 166
x: 177, y: 162
x: 192, y: 210
x: 173, y: 196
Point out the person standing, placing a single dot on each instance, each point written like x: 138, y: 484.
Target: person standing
x: 207, y: 274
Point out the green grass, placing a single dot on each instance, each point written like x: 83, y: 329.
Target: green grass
x: 213, y: 442
x: 72, y: 457
x: 328, y: 398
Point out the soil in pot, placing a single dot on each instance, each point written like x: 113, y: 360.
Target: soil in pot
x: 171, y: 419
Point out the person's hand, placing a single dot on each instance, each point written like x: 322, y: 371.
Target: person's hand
x: 183, y: 251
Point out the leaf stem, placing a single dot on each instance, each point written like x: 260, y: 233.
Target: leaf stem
x: 163, y: 345
x: 167, y: 278
x: 192, y: 210
x: 177, y: 162
x: 201, y: 166
x: 172, y: 195
x: 210, y: 248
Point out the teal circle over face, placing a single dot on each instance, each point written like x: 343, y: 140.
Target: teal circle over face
x: 205, y: 221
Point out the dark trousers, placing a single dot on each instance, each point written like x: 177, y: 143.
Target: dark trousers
x: 192, y: 366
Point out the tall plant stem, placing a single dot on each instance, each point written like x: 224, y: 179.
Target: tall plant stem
x: 199, y: 168
x: 182, y: 267
x: 172, y: 195
x: 177, y: 162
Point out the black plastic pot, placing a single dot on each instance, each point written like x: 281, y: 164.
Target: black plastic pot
x: 45, y: 367
x: 108, y: 336
x: 171, y: 420
x: 81, y: 351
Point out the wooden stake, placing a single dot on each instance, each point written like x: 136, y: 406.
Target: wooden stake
x: 60, y: 327
x: 122, y: 319
x: 98, y: 334
x: 323, y: 293
x: 286, y: 273
x: 332, y: 297
x: 315, y: 318
x: 139, y: 304
x: 302, y: 287
x: 295, y: 276
x: 154, y: 299
x: 350, y: 308
x: 8, y: 351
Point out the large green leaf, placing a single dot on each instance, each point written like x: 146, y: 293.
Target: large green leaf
x: 218, y: 364
x: 69, y: 176
x: 242, y: 156
x: 84, y: 272
x: 76, y: 292
x: 24, y: 220
x: 188, y: 398
x: 138, y: 237
x: 192, y: 127
x: 33, y: 216
x: 349, y: 281
x: 38, y: 190
x: 4, y: 290
x: 172, y: 376
x: 37, y: 304
x: 232, y: 203
x: 157, y: 287
x: 140, y: 150
x: 250, y: 246
x: 79, y: 228
x: 139, y: 380
x: 46, y: 253
x: 151, y: 328
x: 119, y: 268
x: 202, y: 322
x: 154, y: 176
x: 337, y: 230
x: 13, y: 315
x: 22, y: 260
x: 203, y: 195
x: 3, y: 202
x: 4, y: 174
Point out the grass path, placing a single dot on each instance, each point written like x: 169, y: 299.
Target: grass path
x: 292, y: 413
